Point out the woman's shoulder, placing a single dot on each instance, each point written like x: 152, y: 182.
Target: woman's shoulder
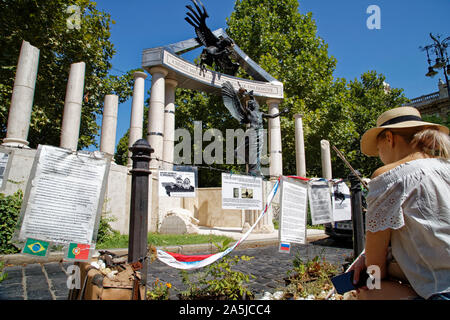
x: 384, y: 169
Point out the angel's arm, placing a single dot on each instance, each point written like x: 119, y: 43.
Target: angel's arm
x: 273, y: 116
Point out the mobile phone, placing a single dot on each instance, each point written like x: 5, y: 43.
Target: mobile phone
x: 344, y: 282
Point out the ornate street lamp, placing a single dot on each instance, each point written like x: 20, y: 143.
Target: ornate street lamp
x: 441, y: 62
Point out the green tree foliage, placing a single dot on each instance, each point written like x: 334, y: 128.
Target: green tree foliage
x: 9, y: 213
x: 44, y: 24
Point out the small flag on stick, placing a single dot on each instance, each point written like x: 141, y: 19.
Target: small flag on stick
x: 36, y: 247
x: 285, y: 247
x: 78, y: 251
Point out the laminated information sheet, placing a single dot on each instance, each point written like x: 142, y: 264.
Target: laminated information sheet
x: 320, y: 202
x: 241, y: 192
x: 64, y: 196
x: 342, y: 210
x: 293, y: 205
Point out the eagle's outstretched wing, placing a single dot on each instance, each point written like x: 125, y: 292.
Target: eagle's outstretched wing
x: 197, y: 19
x: 232, y: 102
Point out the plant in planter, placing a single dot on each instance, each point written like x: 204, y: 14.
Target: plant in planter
x: 309, y: 278
x: 218, y: 281
x: 160, y: 291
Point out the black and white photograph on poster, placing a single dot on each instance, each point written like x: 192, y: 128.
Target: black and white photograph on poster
x: 342, y: 209
x: 293, y: 207
x: 241, y: 192
x: 177, y: 184
x: 64, y: 196
x: 320, y: 202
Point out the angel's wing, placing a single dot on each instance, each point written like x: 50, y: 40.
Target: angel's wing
x: 232, y: 102
x: 197, y: 19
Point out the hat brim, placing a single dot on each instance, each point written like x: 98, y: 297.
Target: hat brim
x: 369, y: 138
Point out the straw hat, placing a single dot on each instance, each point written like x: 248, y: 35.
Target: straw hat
x: 401, y: 117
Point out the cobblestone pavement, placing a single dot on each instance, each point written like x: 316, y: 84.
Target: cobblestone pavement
x: 48, y: 281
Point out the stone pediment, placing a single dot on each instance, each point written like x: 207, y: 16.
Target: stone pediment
x: 189, y: 75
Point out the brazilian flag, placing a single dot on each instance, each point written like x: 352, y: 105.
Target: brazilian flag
x: 36, y: 247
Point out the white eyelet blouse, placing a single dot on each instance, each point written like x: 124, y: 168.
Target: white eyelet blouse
x: 413, y: 200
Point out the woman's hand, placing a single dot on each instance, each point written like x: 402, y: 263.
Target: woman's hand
x: 358, y: 266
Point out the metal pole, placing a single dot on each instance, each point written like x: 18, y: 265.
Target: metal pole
x: 137, y: 246
x: 357, y: 214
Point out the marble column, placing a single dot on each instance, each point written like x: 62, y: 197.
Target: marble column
x: 169, y: 124
x: 276, y: 161
x: 155, y: 133
x: 299, y: 146
x: 326, y: 159
x: 70, y: 128
x: 109, y: 124
x: 137, y: 111
x: 22, y: 97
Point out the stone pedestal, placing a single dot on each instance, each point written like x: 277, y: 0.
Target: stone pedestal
x: 70, y: 129
x: 109, y: 124
x: 326, y: 159
x: 169, y: 124
x: 22, y: 97
x: 276, y: 161
x: 137, y: 111
x: 299, y: 146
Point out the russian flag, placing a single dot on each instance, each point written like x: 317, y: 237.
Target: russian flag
x: 285, y: 247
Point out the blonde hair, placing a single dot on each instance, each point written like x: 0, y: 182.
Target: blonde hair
x: 432, y: 142
x: 429, y: 140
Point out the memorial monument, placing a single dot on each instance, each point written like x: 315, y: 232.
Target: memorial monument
x: 170, y: 70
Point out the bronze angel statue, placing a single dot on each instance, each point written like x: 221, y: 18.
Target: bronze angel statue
x: 250, y: 114
x: 217, y: 49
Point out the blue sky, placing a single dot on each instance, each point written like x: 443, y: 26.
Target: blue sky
x: 392, y: 50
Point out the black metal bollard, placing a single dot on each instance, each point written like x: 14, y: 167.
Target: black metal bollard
x: 137, y: 245
x: 357, y: 214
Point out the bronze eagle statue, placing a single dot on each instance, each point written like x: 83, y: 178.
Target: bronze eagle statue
x: 217, y: 49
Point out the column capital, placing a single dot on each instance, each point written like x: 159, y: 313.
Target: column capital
x: 298, y: 115
x: 171, y: 82
x: 161, y: 70
x: 139, y: 74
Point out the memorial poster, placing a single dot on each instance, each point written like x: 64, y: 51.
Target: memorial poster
x: 320, y: 202
x: 177, y: 184
x: 342, y: 209
x: 293, y: 207
x: 5, y: 161
x: 241, y: 192
x: 64, y: 196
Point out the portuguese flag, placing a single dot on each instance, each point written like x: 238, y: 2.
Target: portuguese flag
x: 36, y: 247
x: 78, y: 251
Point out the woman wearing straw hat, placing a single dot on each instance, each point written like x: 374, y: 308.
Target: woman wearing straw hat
x: 408, y: 207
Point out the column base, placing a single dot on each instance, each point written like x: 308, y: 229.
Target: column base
x: 15, y: 143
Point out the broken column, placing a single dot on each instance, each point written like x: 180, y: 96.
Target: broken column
x: 22, y: 97
x: 326, y: 159
x: 137, y: 111
x: 109, y: 124
x: 70, y: 128
x: 299, y: 146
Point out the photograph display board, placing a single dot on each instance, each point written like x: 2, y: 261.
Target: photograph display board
x: 64, y: 196
x: 176, y: 184
x: 293, y: 207
x: 241, y: 192
x: 320, y: 202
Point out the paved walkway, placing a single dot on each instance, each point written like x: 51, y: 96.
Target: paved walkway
x: 47, y: 281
